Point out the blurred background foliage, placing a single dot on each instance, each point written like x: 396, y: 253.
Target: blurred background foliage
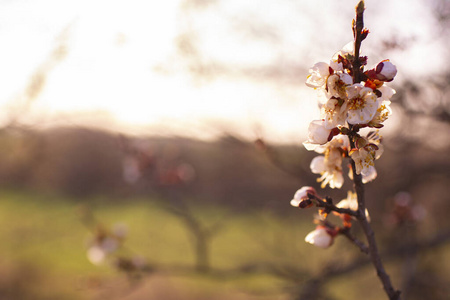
x: 167, y: 189
x: 211, y: 219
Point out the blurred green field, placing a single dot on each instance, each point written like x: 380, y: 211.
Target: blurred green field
x: 44, y: 243
x: 43, y: 253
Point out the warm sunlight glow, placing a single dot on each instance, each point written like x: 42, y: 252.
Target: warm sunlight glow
x: 131, y: 64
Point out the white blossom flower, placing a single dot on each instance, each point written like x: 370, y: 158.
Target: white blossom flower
x: 329, y: 166
x: 381, y: 115
x: 346, y: 50
x: 364, y: 157
x: 384, y: 110
x: 364, y: 162
x: 336, y: 66
x: 318, y: 75
x: 336, y: 85
x: 96, y: 255
x: 351, y: 202
x: 362, y: 104
x: 334, y: 113
x: 386, y: 92
x: 370, y: 175
x: 320, y: 238
x: 317, y: 134
x: 302, y: 194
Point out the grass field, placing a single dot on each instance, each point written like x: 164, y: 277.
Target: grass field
x: 43, y: 252
x: 44, y: 242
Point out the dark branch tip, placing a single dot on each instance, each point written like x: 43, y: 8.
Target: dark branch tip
x: 360, y: 7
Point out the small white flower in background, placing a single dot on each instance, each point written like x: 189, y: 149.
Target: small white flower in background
x: 320, y: 237
x: 318, y: 75
x: 302, y: 194
x: 106, y: 242
x: 362, y: 104
x: 98, y: 252
x: 317, y: 134
x: 96, y: 255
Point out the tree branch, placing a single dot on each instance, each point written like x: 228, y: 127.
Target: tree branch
x: 363, y: 247
x: 357, y: 178
x: 329, y: 206
x: 333, y: 270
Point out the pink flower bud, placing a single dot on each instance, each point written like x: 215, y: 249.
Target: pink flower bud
x: 386, y: 71
x: 302, y: 194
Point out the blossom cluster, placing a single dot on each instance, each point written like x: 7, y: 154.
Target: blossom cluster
x: 353, y: 107
x: 324, y: 234
x: 345, y: 107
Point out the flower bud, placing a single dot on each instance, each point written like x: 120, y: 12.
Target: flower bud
x: 386, y: 71
x: 317, y: 134
x: 302, y: 195
x: 320, y: 237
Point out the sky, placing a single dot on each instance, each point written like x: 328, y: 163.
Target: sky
x: 196, y: 68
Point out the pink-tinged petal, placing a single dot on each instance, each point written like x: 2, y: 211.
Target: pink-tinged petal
x: 386, y: 71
